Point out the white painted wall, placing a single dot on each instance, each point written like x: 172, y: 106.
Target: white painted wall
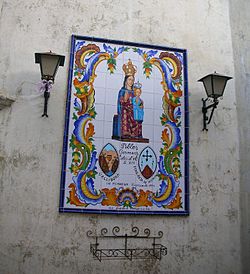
x: 241, y: 45
x: 34, y: 237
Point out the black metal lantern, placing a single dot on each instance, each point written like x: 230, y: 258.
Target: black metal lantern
x: 49, y: 63
x: 214, y: 85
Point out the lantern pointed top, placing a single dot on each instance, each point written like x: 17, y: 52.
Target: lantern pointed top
x: 38, y: 56
x: 215, y: 74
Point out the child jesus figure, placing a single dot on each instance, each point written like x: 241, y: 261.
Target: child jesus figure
x: 138, y: 109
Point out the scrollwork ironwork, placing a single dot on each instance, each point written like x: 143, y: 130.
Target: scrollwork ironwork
x: 155, y: 252
x: 160, y: 234
x: 104, y: 231
x: 164, y: 251
x: 135, y: 230
x: 90, y: 233
x: 147, y: 232
x: 115, y: 230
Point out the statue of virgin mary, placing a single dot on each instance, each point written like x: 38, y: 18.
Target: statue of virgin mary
x: 125, y: 127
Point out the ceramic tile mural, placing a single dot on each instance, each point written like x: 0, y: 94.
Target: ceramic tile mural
x: 126, y: 129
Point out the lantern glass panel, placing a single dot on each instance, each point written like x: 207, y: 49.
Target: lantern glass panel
x: 207, y: 81
x: 219, y: 85
x: 49, y: 66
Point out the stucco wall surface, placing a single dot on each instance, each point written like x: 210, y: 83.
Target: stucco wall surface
x: 34, y: 237
x: 241, y: 49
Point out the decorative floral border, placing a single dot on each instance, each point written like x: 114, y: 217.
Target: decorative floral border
x: 87, y: 56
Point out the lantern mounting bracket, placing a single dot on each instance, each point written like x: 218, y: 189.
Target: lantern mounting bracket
x: 214, y: 84
x: 49, y: 63
x: 204, y: 111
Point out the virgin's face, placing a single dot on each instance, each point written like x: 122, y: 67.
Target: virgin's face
x: 130, y: 82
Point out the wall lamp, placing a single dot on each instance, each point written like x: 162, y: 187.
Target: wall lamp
x: 214, y: 85
x: 49, y: 63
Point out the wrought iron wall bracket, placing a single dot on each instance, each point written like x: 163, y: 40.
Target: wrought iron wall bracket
x: 155, y: 251
x: 204, y: 111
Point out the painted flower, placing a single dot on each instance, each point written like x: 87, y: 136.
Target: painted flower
x: 76, y: 157
x: 74, y: 169
x: 162, y: 177
x: 177, y: 174
x: 147, y: 68
x: 145, y: 56
x: 164, y: 119
x: 84, y: 89
x: 147, y: 72
x: 176, y: 162
x: 92, y: 113
x: 91, y: 173
x: 111, y: 64
x: 111, y: 68
x: 127, y: 197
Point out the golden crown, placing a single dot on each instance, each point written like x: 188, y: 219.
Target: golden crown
x: 129, y: 68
